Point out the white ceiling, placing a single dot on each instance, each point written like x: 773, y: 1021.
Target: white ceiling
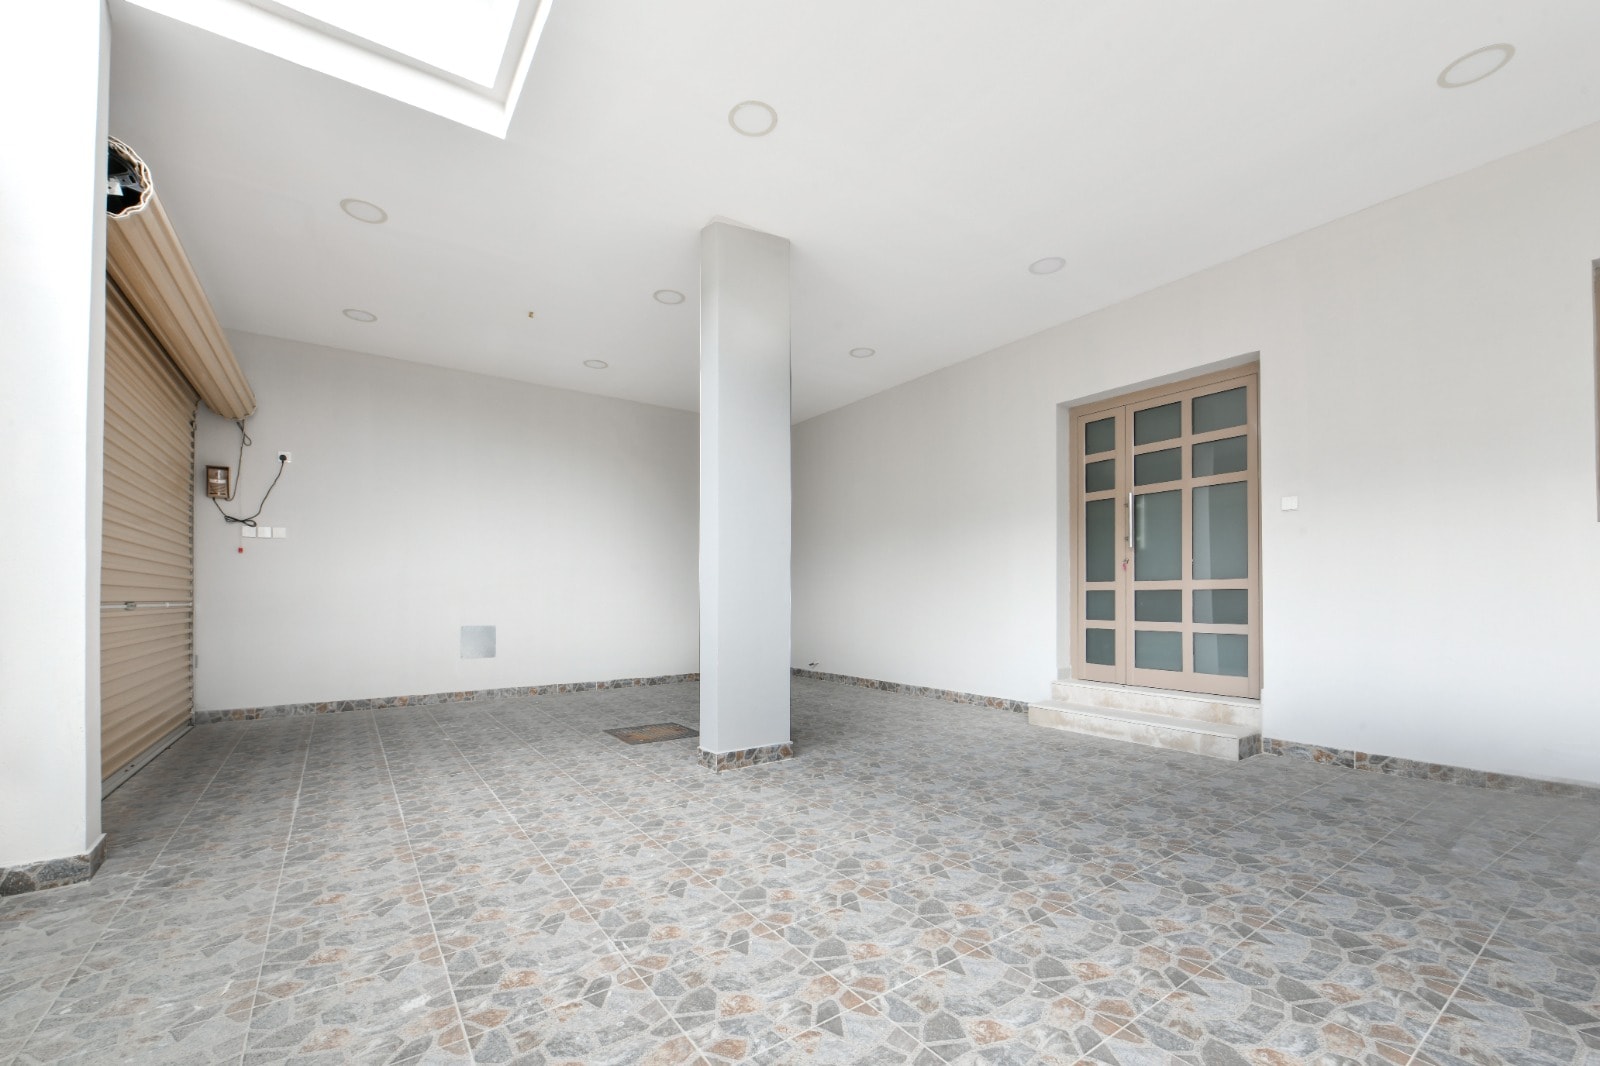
x: 927, y: 151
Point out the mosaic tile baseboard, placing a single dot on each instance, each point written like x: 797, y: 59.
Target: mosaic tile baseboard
x: 432, y: 699
x: 1455, y: 775
x: 734, y: 760
x: 52, y: 873
x: 945, y: 694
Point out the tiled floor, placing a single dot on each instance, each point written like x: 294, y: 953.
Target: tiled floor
x: 926, y: 883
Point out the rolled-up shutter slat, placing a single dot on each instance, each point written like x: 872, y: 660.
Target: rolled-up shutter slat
x: 146, y: 260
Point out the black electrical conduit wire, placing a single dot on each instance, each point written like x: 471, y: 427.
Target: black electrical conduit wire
x: 245, y: 441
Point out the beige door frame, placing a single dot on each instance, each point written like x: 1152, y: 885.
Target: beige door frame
x: 1120, y: 498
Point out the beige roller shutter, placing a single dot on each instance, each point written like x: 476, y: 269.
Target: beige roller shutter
x: 147, y: 562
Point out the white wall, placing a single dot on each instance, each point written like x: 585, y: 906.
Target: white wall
x: 420, y: 500
x: 1428, y: 392
x: 52, y: 339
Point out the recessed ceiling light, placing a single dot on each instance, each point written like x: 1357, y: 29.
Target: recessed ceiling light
x: 362, y: 211
x: 753, y: 118
x: 1047, y: 265
x: 1476, y: 65
x: 863, y: 353
x: 668, y: 296
x: 355, y: 314
x: 596, y: 364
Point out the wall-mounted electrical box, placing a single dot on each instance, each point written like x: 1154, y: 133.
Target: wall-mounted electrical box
x: 219, y: 482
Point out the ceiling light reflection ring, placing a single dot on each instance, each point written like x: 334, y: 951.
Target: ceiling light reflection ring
x: 596, y: 364
x: 1476, y: 65
x: 1048, y: 265
x: 356, y: 314
x: 668, y: 296
x: 863, y: 353
x: 364, y: 211
x: 753, y: 118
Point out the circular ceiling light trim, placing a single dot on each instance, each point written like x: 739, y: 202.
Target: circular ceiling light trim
x: 668, y: 296
x: 1048, y: 265
x: 753, y: 118
x: 364, y: 211
x: 863, y: 353
x: 356, y: 314
x: 1476, y: 65
x: 596, y: 364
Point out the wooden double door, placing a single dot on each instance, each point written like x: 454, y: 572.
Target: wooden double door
x: 1166, y: 537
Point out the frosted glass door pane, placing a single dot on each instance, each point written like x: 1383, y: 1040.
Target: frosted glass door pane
x: 1100, y: 476
x: 1222, y: 606
x: 1100, y: 646
x: 1219, y: 410
x: 1100, y: 436
x: 1100, y: 540
x: 1226, y: 456
x: 1158, y: 605
x: 1221, y: 547
x: 1152, y: 468
x: 1100, y: 605
x: 1221, y: 653
x: 1158, y: 536
x: 1157, y: 650
x: 1157, y: 423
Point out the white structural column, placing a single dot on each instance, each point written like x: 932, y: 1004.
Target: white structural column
x: 744, y: 496
x: 52, y: 322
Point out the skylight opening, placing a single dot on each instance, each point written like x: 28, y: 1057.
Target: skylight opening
x: 466, y: 38
x: 464, y: 60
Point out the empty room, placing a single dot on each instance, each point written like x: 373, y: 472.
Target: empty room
x: 598, y: 531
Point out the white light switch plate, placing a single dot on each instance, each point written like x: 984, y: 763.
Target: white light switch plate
x: 279, y: 532
x: 264, y: 532
x: 247, y: 531
x: 1291, y: 503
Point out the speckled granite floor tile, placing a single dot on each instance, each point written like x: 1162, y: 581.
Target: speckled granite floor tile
x: 927, y: 883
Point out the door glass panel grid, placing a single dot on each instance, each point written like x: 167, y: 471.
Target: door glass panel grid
x: 1100, y: 461
x: 1217, y: 651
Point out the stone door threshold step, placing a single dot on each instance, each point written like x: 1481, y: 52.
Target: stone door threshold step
x: 1221, y: 740
x: 1165, y: 703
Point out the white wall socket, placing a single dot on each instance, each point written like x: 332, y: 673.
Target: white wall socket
x: 286, y: 457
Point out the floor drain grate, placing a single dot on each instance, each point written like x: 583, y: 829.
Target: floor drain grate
x: 651, y: 734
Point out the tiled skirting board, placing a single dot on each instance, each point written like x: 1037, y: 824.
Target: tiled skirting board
x: 1456, y: 775
x: 432, y: 699
x: 52, y: 873
x: 733, y: 760
x: 948, y: 695
x: 1355, y: 760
